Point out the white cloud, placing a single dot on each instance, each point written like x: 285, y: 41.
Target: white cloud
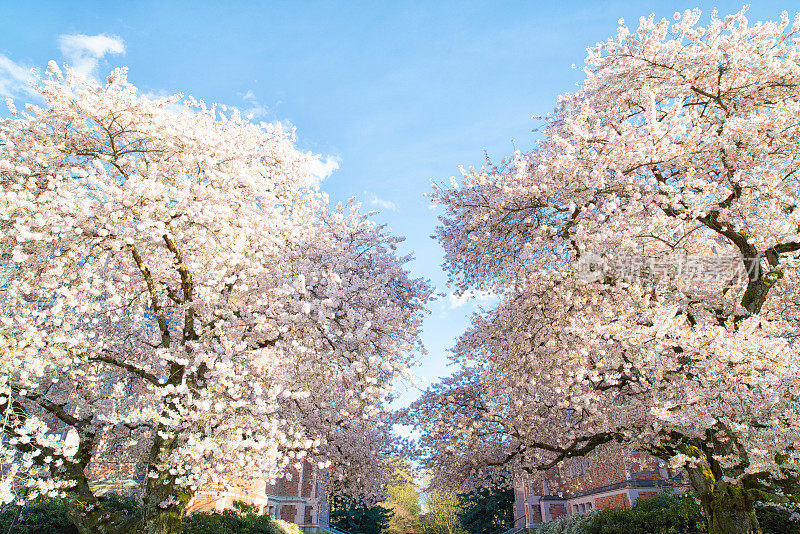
x: 14, y: 78
x: 381, y: 203
x: 82, y: 52
x: 322, y: 169
x: 254, y: 109
x: 477, y: 296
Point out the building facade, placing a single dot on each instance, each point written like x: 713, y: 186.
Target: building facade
x: 609, y: 477
x: 299, y: 497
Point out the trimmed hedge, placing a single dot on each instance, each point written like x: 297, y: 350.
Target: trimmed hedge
x: 230, y: 522
x: 664, y: 514
x: 568, y: 524
x: 48, y: 516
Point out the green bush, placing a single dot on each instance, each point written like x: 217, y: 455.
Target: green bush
x: 568, y: 524
x: 114, y: 503
x: 777, y: 520
x: 280, y: 526
x: 664, y: 514
x: 48, y: 516
x: 241, y: 520
x: 41, y: 516
x: 679, y: 514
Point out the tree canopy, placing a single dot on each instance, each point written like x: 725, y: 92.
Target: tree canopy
x: 646, y: 256
x: 181, y: 293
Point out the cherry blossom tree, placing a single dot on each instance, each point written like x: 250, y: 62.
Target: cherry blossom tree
x: 173, y: 274
x: 646, y: 254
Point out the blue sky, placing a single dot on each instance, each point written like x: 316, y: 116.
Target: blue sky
x: 395, y: 94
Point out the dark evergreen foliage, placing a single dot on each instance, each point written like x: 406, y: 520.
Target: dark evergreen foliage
x: 487, y: 510
x: 358, y: 518
x: 41, y: 516
x: 665, y: 514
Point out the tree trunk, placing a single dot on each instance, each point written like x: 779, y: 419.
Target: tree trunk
x: 83, y: 508
x: 164, y: 507
x: 88, y: 516
x: 165, y: 502
x: 727, y: 507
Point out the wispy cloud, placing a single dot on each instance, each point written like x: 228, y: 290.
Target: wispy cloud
x: 83, y: 52
x: 14, y: 78
x: 322, y: 169
x: 254, y: 109
x: 472, y: 295
x: 384, y: 204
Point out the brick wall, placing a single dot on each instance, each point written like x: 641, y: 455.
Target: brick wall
x: 604, y: 467
x: 308, y: 480
x: 536, y: 513
x: 286, y: 487
x: 259, y: 493
x: 618, y: 500
x: 607, y: 465
x: 289, y: 512
x: 203, y: 503
x: 557, y: 510
x: 641, y: 465
x: 111, y: 470
x: 647, y: 494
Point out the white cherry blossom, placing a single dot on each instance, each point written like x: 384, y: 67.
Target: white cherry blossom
x: 175, y: 282
x: 682, y: 141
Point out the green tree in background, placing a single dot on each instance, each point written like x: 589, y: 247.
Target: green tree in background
x: 404, y: 503
x: 442, y: 513
x: 357, y: 518
x: 487, y: 510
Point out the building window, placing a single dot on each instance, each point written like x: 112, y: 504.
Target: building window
x: 581, y: 507
x: 578, y: 467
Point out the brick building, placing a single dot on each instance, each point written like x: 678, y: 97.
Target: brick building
x: 300, y: 497
x: 609, y: 477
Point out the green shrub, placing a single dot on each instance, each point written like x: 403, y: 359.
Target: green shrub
x: 777, y: 520
x: 41, y: 516
x: 280, y: 526
x: 568, y: 524
x: 679, y: 514
x: 49, y: 516
x: 241, y: 520
x: 664, y: 514
x: 114, y: 503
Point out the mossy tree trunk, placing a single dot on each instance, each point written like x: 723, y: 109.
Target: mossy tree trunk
x: 83, y: 508
x: 729, y: 508
x: 165, y: 501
